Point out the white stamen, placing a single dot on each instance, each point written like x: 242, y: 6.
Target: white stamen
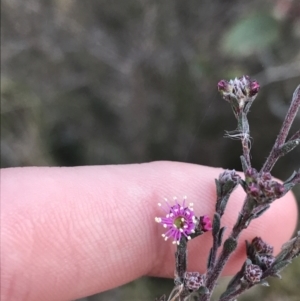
x: 159, y: 204
x: 158, y: 219
x: 189, y: 238
x: 182, y: 219
x: 181, y: 230
x: 165, y: 226
x: 178, y: 243
x: 174, y: 198
x: 163, y: 235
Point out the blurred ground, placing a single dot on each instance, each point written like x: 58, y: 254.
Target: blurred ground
x: 115, y: 82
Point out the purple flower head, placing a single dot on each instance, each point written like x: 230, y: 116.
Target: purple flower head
x: 180, y: 220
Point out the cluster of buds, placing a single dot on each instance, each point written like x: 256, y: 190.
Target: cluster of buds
x: 260, y: 253
x: 261, y: 187
x: 239, y: 92
x: 194, y: 280
x: 260, y: 258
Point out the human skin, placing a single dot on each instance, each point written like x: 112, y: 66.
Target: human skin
x: 71, y: 232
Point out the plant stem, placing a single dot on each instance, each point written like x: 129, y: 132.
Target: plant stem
x: 287, y: 123
x: 225, y: 253
x: 243, y: 128
x: 213, y: 253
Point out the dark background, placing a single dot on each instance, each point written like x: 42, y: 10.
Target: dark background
x: 115, y: 82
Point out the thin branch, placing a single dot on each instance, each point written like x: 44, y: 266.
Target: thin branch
x: 287, y: 123
x: 228, y: 249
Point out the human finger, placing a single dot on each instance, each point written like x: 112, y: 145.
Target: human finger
x: 72, y: 232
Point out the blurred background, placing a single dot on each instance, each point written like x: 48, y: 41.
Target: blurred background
x: 116, y: 82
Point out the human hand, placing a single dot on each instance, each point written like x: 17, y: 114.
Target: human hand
x: 72, y: 232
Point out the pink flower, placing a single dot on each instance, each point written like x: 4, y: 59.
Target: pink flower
x: 179, y: 221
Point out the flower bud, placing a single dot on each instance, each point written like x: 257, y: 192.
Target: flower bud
x: 261, y: 247
x: 194, y: 280
x: 254, y: 88
x: 205, y: 223
x: 266, y: 261
x: 253, y: 273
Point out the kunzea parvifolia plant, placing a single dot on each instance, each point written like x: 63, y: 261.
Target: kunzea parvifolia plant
x: 182, y: 224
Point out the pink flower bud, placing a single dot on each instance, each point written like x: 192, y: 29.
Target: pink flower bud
x: 193, y: 280
x: 253, y: 273
x: 254, y: 88
x: 205, y: 223
x: 261, y: 247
